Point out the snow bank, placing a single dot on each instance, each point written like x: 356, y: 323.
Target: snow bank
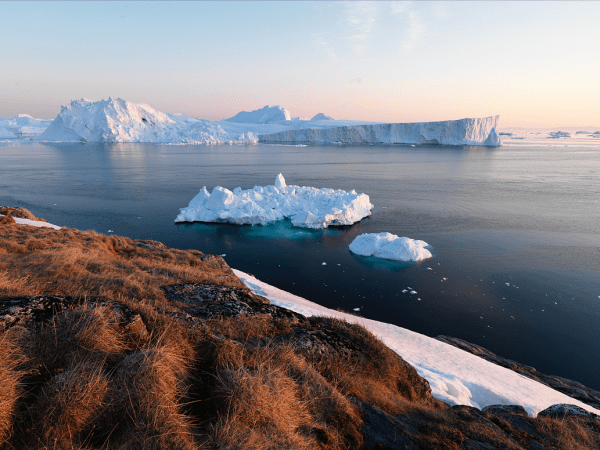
x: 456, y: 377
x: 34, y: 223
x: 267, y: 114
x: 116, y: 120
x: 390, y: 246
x: 451, y: 132
x: 306, y: 206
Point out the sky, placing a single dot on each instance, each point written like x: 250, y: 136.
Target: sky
x: 536, y: 64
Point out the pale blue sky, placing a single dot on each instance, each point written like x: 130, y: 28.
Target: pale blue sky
x: 535, y: 63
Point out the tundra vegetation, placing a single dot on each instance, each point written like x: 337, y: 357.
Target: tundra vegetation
x: 112, y: 343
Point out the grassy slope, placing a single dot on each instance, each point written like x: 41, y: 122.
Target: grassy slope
x: 94, y: 377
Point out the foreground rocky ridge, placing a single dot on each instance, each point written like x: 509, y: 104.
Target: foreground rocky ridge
x: 421, y: 423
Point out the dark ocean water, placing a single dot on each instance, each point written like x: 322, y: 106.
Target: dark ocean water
x: 515, y: 231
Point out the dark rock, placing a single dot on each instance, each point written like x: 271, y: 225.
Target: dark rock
x: 201, y: 301
x: 564, y: 410
x: 25, y: 311
x: 568, y: 387
x: 382, y: 431
x: 513, y: 415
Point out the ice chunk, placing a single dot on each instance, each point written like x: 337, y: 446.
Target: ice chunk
x: 390, y: 246
x: 306, y: 206
x: 280, y: 181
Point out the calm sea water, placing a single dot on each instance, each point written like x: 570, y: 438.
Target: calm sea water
x: 515, y: 231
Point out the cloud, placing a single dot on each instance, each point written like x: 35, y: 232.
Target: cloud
x: 414, y: 34
x: 355, y: 80
x: 361, y: 17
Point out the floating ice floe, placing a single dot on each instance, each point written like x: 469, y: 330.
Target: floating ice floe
x: 390, y: 246
x: 307, y: 207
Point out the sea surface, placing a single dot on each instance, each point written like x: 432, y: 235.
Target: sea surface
x: 514, y: 230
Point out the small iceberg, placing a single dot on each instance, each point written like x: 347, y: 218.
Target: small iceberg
x: 306, y: 207
x: 390, y: 246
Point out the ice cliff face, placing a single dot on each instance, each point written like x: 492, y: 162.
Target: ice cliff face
x: 452, y: 132
x: 268, y: 114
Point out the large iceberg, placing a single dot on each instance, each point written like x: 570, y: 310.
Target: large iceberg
x: 117, y: 120
x: 451, y: 132
x: 307, y: 207
x: 390, y: 246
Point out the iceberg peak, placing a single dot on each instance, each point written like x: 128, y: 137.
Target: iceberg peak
x: 280, y: 181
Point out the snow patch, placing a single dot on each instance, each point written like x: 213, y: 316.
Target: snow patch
x: 306, y: 206
x: 455, y: 376
x: 390, y: 246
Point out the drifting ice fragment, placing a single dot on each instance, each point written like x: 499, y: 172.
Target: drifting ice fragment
x: 390, y: 246
x: 306, y: 206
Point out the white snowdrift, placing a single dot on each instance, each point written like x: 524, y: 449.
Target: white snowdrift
x: 390, y: 246
x: 450, y: 132
x: 306, y: 206
x: 456, y: 377
x: 34, y: 223
x: 267, y: 114
x: 22, y: 125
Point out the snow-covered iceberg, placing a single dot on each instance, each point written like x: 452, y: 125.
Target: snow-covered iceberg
x: 267, y: 114
x: 390, y: 246
x: 451, y: 132
x: 22, y: 126
x: 307, y: 207
x: 117, y: 120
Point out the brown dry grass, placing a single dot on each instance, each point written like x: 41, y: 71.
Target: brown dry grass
x: 10, y: 359
x: 21, y: 213
x: 270, y: 398
x: 84, y: 263
x: 570, y: 434
x: 374, y: 373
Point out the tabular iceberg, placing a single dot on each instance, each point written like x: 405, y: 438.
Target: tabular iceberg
x: 390, y: 246
x: 306, y: 206
x: 451, y: 132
